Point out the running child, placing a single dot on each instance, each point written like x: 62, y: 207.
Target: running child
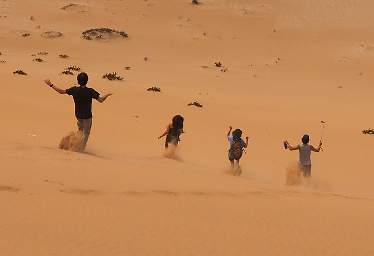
x: 173, y: 131
x: 305, y: 150
x: 237, y: 145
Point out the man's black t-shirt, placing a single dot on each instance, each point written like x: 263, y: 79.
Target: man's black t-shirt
x: 83, y: 100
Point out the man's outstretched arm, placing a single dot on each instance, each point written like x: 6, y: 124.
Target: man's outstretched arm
x: 317, y: 149
x: 292, y: 148
x: 54, y: 87
x: 102, y: 99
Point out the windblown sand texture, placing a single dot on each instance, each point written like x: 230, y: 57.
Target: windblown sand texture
x: 285, y: 66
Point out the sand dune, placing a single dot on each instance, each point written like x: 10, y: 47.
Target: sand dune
x: 286, y: 65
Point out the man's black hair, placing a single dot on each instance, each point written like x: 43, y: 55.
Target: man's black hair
x: 305, y: 139
x: 82, y: 79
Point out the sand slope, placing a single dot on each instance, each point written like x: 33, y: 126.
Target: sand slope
x: 288, y: 65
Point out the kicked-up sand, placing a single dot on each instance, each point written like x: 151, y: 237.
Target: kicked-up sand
x: 282, y: 66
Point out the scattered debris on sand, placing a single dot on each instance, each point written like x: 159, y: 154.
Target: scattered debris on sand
x: 196, y: 104
x: 69, y: 6
x: 42, y: 53
x: 204, y: 66
x: 26, y: 34
x: 112, y: 76
x: 103, y: 34
x: 67, y: 72
x: 63, y: 56
x: 368, y: 131
x: 51, y: 34
x: 218, y: 64
x: 20, y: 72
x: 74, y: 7
x: 196, y: 2
x: 128, y: 68
x: 38, y: 60
x: 73, y: 68
x: 154, y: 89
x: 32, y: 18
x: 145, y: 58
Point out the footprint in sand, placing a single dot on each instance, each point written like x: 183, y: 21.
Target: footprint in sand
x: 9, y: 189
x: 51, y: 34
x: 165, y: 192
x: 54, y: 182
x: 134, y: 193
x: 80, y: 191
x: 198, y: 193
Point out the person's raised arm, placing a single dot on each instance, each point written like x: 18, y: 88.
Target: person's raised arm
x: 102, y: 99
x: 290, y: 147
x: 229, y: 132
x: 165, y: 133
x: 54, y: 87
x: 318, y: 149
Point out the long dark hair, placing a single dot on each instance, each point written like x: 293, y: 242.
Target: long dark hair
x: 178, y: 122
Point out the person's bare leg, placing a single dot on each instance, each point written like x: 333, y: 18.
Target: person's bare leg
x: 238, y: 169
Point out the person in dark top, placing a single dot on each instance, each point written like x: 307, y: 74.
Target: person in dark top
x: 173, y: 131
x: 83, y: 96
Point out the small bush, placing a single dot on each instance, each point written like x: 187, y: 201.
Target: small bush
x: 368, y: 131
x: 73, y: 68
x: 112, y: 76
x: 20, y: 72
x: 154, y: 89
x: 67, y: 72
x: 196, y: 104
x: 218, y: 64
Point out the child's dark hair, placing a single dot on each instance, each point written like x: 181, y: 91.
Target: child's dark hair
x: 237, y: 134
x: 178, y: 122
x: 82, y: 79
x: 305, y: 139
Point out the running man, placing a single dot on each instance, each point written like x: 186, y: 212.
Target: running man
x: 83, y: 96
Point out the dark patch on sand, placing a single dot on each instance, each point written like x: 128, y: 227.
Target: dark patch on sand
x: 103, y: 34
x: 51, y: 34
x: 9, y: 189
